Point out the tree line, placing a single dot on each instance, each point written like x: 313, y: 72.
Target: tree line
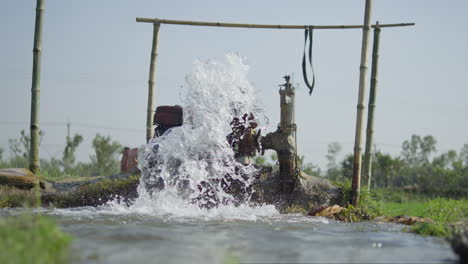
x: 417, y: 168
x: 104, y: 161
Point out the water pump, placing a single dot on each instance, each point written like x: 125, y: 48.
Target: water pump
x: 283, y: 140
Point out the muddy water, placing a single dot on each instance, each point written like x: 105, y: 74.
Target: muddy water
x: 107, y: 236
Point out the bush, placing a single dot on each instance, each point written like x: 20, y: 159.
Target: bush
x: 444, y: 213
x: 368, y: 208
x: 29, y: 238
x: 13, y: 197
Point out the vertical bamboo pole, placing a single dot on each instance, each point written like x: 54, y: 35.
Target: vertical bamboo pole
x: 360, y: 106
x: 152, y: 82
x: 35, y: 89
x: 371, y: 107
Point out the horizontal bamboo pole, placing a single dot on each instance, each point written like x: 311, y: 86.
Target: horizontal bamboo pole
x: 239, y: 25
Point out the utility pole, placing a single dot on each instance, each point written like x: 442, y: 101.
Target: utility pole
x: 369, y: 180
x: 360, y: 106
x: 152, y: 82
x: 367, y: 172
x: 35, y: 89
x: 66, y: 147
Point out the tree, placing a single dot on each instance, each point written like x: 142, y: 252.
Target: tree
x: 427, y: 146
x: 464, y: 155
x: 417, y: 150
x: 333, y: 171
x: 105, y: 159
x: 309, y: 168
x: 347, y: 167
x: 410, y: 150
x: 385, y: 170
x: 446, y: 160
x: 15, y: 148
x: 334, y: 149
x: 69, y: 151
x: 20, y: 148
x: 1, y: 155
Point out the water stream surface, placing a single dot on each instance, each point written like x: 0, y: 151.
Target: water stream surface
x: 107, y: 236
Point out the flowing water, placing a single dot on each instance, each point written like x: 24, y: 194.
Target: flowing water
x: 182, y: 175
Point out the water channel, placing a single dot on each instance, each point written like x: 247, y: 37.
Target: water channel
x: 115, y: 235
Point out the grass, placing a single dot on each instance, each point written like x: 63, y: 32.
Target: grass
x: 398, y: 195
x: 63, y: 177
x: 414, y: 208
x: 98, y: 193
x: 444, y: 213
x: 29, y: 238
x: 93, y: 194
x: 369, y: 206
x: 14, y: 197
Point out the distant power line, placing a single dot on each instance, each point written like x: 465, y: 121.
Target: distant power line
x: 83, y: 125
x: 142, y: 130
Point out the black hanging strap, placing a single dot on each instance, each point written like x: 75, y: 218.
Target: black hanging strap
x: 308, y: 33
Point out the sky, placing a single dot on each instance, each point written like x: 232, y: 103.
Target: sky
x: 95, y: 64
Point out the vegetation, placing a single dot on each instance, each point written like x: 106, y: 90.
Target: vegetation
x: 368, y: 208
x: 29, y: 238
x: 417, y: 170
x: 447, y: 215
x: 14, y: 197
x: 104, y: 161
x: 94, y: 194
x: 415, y: 183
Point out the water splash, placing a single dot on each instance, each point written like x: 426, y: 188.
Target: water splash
x: 189, y: 168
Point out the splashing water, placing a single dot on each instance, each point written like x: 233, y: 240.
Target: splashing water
x: 189, y: 168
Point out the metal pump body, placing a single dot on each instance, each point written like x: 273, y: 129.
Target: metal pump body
x: 283, y: 140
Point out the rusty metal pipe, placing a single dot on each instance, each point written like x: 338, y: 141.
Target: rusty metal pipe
x: 283, y: 139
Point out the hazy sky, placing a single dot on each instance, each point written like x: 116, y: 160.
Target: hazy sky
x: 95, y: 65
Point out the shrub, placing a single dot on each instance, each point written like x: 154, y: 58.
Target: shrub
x: 29, y: 238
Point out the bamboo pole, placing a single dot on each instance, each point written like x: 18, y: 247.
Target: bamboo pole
x: 35, y: 89
x: 265, y: 26
x: 371, y: 107
x: 360, y: 106
x: 152, y: 82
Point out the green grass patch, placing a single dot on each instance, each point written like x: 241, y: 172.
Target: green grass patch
x: 58, y: 176
x: 14, y: 197
x: 445, y: 214
x: 414, y: 208
x: 124, y: 190
x: 399, y: 195
x: 29, y: 238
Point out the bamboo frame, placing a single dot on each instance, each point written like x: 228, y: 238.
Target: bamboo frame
x: 371, y: 107
x: 264, y: 26
x: 152, y: 82
x: 356, y: 184
x: 35, y: 89
x: 362, y: 77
